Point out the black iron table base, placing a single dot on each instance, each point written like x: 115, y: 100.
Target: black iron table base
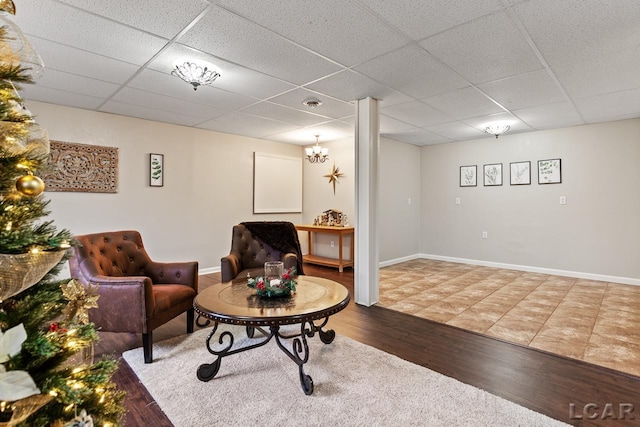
x: 299, y: 351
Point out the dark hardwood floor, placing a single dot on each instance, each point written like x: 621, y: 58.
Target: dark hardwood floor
x: 569, y: 390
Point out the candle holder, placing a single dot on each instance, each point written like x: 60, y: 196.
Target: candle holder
x: 276, y: 282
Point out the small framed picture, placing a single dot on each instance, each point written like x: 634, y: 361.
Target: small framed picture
x: 493, y: 174
x: 468, y: 176
x: 520, y: 173
x: 156, y: 170
x: 549, y: 171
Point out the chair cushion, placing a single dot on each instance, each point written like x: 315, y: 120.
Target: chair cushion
x: 170, y: 295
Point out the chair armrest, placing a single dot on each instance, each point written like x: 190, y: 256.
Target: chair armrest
x: 124, y: 303
x: 230, y: 267
x: 290, y: 260
x: 182, y: 273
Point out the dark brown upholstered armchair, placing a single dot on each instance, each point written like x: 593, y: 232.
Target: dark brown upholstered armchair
x: 254, y: 243
x: 136, y: 294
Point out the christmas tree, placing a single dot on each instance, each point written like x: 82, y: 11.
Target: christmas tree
x: 47, y: 372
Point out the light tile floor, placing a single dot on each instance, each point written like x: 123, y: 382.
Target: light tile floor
x: 598, y: 322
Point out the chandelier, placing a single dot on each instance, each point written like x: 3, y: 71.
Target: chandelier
x: 496, y: 129
x: 194, y: 74
x: 317, y: 153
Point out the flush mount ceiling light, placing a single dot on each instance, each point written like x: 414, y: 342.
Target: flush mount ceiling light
x: 496, y: 129
x: 195, y: 74
x: 312, y: 102
x: 317, y: 153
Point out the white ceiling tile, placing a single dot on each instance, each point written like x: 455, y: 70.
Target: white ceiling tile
x: 147, y: 113
x: 455, y: 130
x: 172, y: 86
x: 486, y: 49
x: 305, y: 136
x: 610, y: 106
x: 330, y: 107
x: 66, y: 58
x: 284, y: 114
x: 571, y: 31
x: 525, y: 90
x: 550, y: 115
x: 595, y: 77
x: 165, y: 18
x: 66, y: 25
x: 350, y: 86
x: 225, y: 35
x: 391, y: 125
x: 416, y: 113
x: 233, y: 77
x: 419, y: 137
x: 420, y: 19
x: 463, y: 103
x: 413, y: 71
x: 60, y: 80
x: 336, y: 29
x: 167, y: 103
x: 59, y: 97
x: 516, y: 124
x: 246, y: 124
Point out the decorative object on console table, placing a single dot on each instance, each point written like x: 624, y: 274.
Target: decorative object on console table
x: 493, y: 175
x: 340, y: 262
x: 331, y: 218
x: 549, y: 171
x: 468, y: 176
x: 82, y: 168
x: 156, y: 170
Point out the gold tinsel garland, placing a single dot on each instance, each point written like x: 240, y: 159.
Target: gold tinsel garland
x: 81, y: 299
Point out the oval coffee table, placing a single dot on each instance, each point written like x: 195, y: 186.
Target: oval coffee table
x: 235, y: 303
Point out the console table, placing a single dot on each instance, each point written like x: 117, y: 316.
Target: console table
x: 320, y: 260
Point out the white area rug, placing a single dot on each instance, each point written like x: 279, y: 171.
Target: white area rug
x: 354, y: 385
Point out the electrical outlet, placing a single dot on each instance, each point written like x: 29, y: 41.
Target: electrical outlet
x: 409, y: 201
x: 485, y: 235
x: 457, y: 200
x: 563, y: 200
x: 333, y: 243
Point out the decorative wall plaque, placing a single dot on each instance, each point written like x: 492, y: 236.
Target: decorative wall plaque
x: 82, y: 168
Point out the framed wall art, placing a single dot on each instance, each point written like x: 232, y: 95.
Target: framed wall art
x: 156, y: 170
x: 549, y: 171
x: 493, y: 175
x: 520, y: 173
x: 468, y: 176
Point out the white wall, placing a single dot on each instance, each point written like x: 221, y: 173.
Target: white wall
x: 207, y: 189
x: 596, y: 232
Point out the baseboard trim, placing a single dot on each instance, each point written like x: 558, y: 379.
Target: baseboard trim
x: 203, y: 271
x: 576, y: 274
x: 399, y: 260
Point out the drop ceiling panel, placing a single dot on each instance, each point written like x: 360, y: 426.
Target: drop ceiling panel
x: 463, y: 103
x: 284, y: 114
x: 516, y: 124
x: 525, y: 90
x: 66, y: 58
x: 166, y: 103
x: 416, y: 113
x: 391, y: 125
x: 571, y: 31
x: 64, y: 24
x: 420, y: 19
x: 456, y: 131
x: 165, y: 18
x: 60, y: 80
x: 486, y: 49
x: 245, y: 124
x: 228, y: 36
x: 59, y: 97
x: 328, y: 131
x: 611, y: 106
x: 143, y: 112
x: 550, y: 115
x: 336, y: 29
x: 171, y: 86
x: 350, y: 86
x: 413, y: 71
x: 330, y: 107
x: 418, y: 137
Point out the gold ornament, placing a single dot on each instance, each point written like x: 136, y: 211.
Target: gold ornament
x: 333, y: 176
x: 8, y: 6
x: 80, y: 300
x: 30, y: 185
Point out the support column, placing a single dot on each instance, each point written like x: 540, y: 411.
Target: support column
x: 367, y: 146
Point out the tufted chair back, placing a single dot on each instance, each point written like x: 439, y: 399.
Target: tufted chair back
x: 249, y: 253
x: 136, y: 294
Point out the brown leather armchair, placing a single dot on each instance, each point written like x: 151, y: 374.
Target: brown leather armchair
x: 254, y: 243
x: 136, y: 294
